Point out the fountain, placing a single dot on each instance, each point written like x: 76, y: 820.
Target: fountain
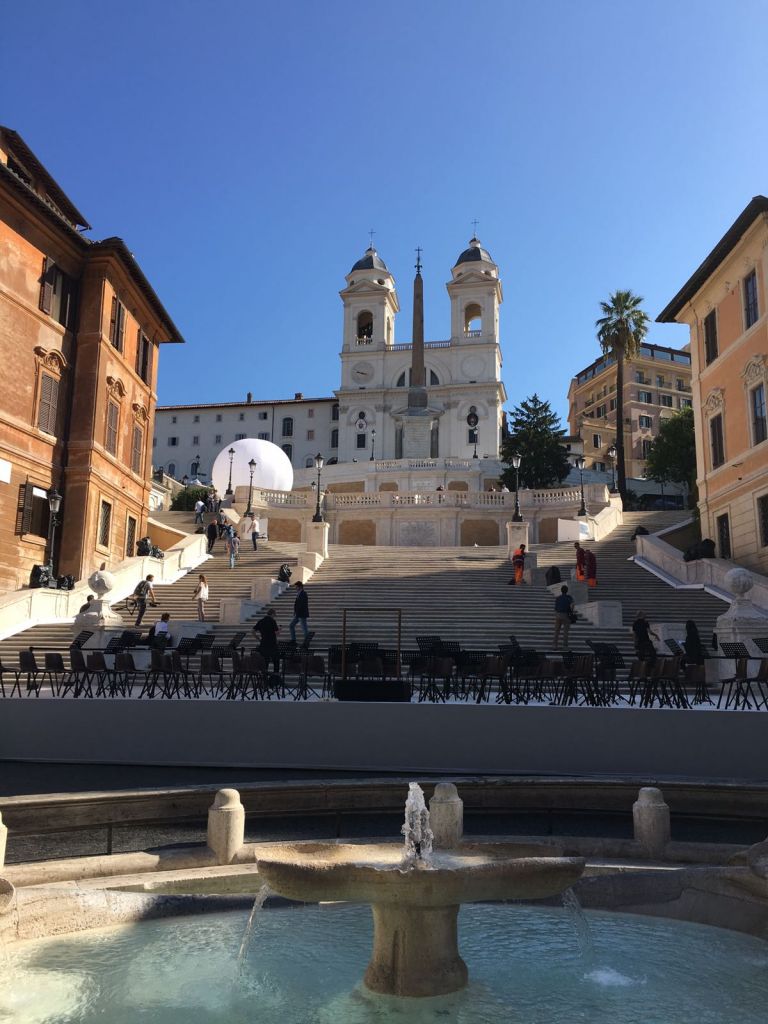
x: 415, y: 894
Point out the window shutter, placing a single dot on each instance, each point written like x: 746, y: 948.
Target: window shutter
x: 112, y: 418
x: 138, y: 444
x: 49, y: 400
x: 24, y: 509
x: 47, y: 283
x: 121, y: 326
x: 113, y: 321
x: 138, y: 352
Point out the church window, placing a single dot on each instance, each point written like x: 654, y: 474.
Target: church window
x: 288, y: 449
x: 335, y: 411
x: 335, y: 438
x: 365, y: 326
x: 434, y: 380
x: 401, y: 380
x: 473, y: 320
x: 288, y: 426
x: 362, y: 440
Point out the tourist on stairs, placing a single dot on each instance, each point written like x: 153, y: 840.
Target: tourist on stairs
x: 300, y: 613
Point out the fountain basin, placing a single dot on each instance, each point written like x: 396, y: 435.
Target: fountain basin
x: 415, y: 906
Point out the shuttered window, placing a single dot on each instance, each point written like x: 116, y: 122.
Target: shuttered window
x: 137, y: 449
x: 143, y: 357
x: 47, y: 284
x: 130, y: 537
x: 105, y: 523
x: 113, y: 416
x: 750, y: 300
x: 58, y: 294
x: 117, y: 324
x: 32, y: 510
x: 716, y: 439
x: 710, y: 337
x: 49, y: 401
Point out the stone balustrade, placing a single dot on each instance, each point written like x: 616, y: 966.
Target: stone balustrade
x: 402, y: 465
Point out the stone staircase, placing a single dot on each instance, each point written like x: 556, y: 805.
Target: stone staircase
x: 459, y: 594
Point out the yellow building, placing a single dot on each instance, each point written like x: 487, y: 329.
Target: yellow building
x: 724, y: 304
x: 657, y: 384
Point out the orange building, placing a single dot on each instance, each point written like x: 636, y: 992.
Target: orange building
x: 724, y: 304
x: 80, y: 330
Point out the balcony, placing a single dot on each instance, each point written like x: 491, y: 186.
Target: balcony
x: 363, y: 340
x: 473, y: 334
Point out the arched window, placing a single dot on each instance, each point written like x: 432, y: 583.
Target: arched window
x: 433, y: 378
x: 401, y: 380
x: 335, y: 438
x: 309, y: 462
x: 288, y: 426
x: 288, y: 449
x: 473, y: 320
x: 365, y: 325
x: 335, y: 411
x: 171, y: 470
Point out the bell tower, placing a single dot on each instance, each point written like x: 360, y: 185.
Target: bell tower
x: 370, y: 304
x: 475, y: 291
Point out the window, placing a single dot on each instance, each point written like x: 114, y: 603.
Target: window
x: 365, y: 326
x: 599, y: 466
x: 49, y: 401
x: 335, y: 437
x: 750, y: 300
x: 309, y: 462
x: 288, y: 449
x: 710, y: 337
x: 362, y: 440
x: 154, y: 442
x: 716, y: 440
x: 105, y: 524
x: 762, y: 517
x: 218, y: 417
x: 288, y: 426
x: 143, y: 357
x: 724, y: 536
x: 472, y: 435
x: 666, y: 400
x: 173, y: 419
x: 172, y: 469
x: 660, y: 382
x: 597, y: 441
x: 195, y: 440
x: 58, y: 294
x: 686, y: 403
x: 137, y: 450
x: 335, y: 411
x: 401, y: 380
x: 32, y: 513
x: 680, y: 384
x: 646, y: 448
x: 217, y: 439
x: 310, y: 414
x: 117, y: 324
x: 640, y: 377
x: 239, y: 437
x: 600, y: 411
x: 645, y: 396
x: 759, y: 424
x: 612, y: 405
x: 473, y: 320
x: 130, y: 537
x: 172, y: 442
x: 113, y: 418
x: 645, y: 422
x: 434, y: 380
x: 264, y: 436
x: 241, y: 416
x: 196, y: 419
x: 262, y: 415
x: 310, y: 435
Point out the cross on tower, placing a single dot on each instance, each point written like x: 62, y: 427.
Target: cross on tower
x: 474, y: 228
x: 418, y: 259
x: 371, y: 233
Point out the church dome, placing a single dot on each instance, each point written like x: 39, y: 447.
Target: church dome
x: 475, y: 253
x: 370, y: 261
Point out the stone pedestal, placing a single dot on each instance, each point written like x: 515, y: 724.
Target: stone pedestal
x: 417, y: 436
x: 446, y: 816
x: 264, y: 590
x: 744, y: 620
x: 3, y: 840
x: 226, y: 825
x: 517, y: 534
x: 100, y: 615
x: 317, y: 538
x: 415, y: 951
x: 650, y: 815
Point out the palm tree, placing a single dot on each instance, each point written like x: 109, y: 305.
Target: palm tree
x: 621, y: 332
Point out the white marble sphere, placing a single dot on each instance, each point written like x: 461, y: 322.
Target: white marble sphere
x: 273, y: 472
x: 739, y: 582
x: 101, y: 582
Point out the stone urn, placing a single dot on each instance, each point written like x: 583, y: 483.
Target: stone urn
x: 100, y: 615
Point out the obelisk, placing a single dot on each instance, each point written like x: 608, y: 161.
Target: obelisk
x: 417, y: 423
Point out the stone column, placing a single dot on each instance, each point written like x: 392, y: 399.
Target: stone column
x: 650, y: 815
x: 517, y: 534
x: 446, y: 816
x: 3, y: 840
x: 226, y: 825
x: 317, y: 538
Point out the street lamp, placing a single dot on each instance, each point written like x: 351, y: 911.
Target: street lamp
x: 318, y: 516
x: 373, y: 443
x: 184, y: 481
x: 580, y: 464
x: 252, y: 469
x: 54, y: 504
x: 516, y: 460
x: 474, y: 453
x: 612, y: 457
x: 231, y: 454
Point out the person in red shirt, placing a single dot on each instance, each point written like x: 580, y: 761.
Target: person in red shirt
x: 590, y: 565
x: 581, y: 556
x: 518, y: 564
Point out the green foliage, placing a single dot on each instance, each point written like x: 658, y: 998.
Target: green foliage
x: 535, y: 433
x: 673, y: 452
x: 185, y: 500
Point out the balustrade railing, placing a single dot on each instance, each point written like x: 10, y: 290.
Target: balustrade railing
x: 289, y: 498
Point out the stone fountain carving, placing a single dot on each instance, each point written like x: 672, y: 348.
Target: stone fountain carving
x: 100, y: 614
x: 415, y: 892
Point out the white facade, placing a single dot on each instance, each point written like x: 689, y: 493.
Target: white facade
x: 365, y: 419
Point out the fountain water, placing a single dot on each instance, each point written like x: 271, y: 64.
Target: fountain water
x: 580, y: 926
x: 261, y: 897
x: 418, y: 834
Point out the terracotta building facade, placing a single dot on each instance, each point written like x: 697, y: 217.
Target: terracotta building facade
x: 657, y: 384
x: 80, y: 330
x: 725, y: 305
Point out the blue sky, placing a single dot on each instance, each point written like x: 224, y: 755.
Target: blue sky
x: 244, y: 149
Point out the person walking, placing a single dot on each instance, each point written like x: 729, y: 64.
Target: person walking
x: 581, y: 556
x: 268, y: 629
x: 300, y: 613
x: 211, y: 535
x: 199, y: 509
x: 144, y: 592
x: 221, y: 523
x: 563, y: 616
x: 201, y: 596
x: 641, y: 628
x: 518, y: 564
x: 233, y: 547
x: 254, y: 531
x: 590, y: 567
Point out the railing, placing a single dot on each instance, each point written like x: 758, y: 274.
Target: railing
x: 403, y: 465
x: 453, y: 499
x: 473, y: 334
x: 564, y: 496
x: 406, y: 346
x: 282, y: 498
x: 364, y: 340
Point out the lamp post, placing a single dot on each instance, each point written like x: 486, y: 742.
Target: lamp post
x: 231, y: 454
x: 580, y: 464
x: 373, y: 443
x: 318, y: 516
x: 185, y: 481
x: 54, y: 504
x: 516, y: 460
x: 252, y: 469
x: 474, y: 453
x: 612, y: 457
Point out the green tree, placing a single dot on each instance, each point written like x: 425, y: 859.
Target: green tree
x: 536, y: 435
x: 673, y: 452
x: 621, y: 331
x: 185, y: 500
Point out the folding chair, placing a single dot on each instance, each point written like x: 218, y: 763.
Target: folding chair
x: 56, y: 672
x: 4, y: 670
x: 100, y: 671
x: 28, y: 666
x: 81, y: 676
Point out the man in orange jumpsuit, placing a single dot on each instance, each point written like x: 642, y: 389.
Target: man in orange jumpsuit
x: 518, y: 564
x: 581, y: 556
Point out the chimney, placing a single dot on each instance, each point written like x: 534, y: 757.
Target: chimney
x: 298, y: 396
x: 249, y: 397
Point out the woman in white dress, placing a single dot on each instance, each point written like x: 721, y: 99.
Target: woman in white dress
x: 201, y: 596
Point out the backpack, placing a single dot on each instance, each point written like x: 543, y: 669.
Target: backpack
x: 142, y: 589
